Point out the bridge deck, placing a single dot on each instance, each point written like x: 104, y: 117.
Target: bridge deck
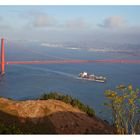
x: 73, y: 61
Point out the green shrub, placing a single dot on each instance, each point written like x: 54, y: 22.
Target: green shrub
x: 12, y: 129
x: 69, y: 100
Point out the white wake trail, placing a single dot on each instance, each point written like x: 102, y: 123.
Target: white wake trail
x: 49, y: 70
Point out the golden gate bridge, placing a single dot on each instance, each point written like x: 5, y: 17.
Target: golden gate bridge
x: 71, y: 61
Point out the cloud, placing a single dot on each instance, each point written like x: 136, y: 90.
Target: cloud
x: 77, y: 24
x: 113, y: 22
x: 40, y: 19
x: 44, y: 20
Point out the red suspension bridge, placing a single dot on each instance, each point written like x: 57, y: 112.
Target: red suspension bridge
x: 3, y: 62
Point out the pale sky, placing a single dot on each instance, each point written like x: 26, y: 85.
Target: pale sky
x: 67, y: 23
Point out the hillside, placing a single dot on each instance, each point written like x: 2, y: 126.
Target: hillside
x: 49, y: 117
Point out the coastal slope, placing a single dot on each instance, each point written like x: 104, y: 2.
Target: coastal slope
x: 50, y: 117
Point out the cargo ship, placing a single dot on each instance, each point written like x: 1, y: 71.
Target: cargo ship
x: 87, y: 76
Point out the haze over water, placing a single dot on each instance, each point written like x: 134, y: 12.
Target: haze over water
x: 31, y: 81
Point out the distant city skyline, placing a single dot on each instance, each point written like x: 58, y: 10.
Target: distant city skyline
x: 70, y: 23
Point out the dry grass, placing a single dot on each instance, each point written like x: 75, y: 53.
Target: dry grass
x: 50, y: 116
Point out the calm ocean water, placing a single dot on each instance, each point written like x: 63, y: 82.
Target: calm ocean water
x: 31, y: 81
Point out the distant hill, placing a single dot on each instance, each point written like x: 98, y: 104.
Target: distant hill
x: 50, y: 117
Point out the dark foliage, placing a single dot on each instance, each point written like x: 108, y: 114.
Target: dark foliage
x: 69, y: 100
x: 12, y: 129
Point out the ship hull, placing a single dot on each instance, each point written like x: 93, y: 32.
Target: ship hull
x: 91, y: 79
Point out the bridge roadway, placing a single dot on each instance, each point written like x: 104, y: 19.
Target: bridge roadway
x: 74, y: 61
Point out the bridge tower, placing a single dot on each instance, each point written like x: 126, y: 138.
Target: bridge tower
x: 2, y: 57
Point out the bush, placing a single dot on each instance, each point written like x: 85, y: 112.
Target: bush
x: 69, y: 100
x: 124, y: 105
x: 12, y: 129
